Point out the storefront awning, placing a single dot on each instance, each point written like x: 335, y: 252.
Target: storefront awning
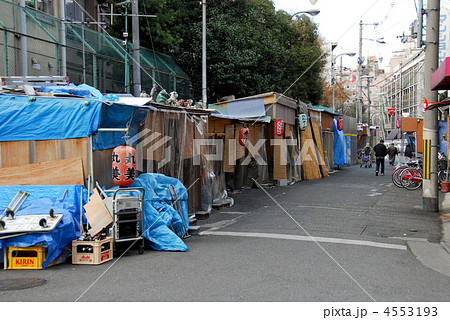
x: 440, y: 79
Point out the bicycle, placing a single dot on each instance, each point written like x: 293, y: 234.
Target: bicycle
x: 411, y: 178
x: 413, y: 163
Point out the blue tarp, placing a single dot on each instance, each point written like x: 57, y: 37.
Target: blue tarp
x: 47, y: 118
x: 159, y: 213
x: 339, y: 147
x: 82, y: 90
x: 40, y: 201
x: 118, y: 116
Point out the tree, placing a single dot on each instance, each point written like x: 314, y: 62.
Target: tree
x: 251, y: 48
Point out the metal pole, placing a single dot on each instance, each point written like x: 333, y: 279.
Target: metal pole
x: 204, y: 90
x: 127, y: 87
x: 333, y: 79
x: 84, y: 50
x: 62, y: 40
x: 23, y: 40
x: 136, y: 51
x: 430, y: 118
x: 359, y: 99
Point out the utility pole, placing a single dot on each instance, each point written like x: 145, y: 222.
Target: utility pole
x: 360, y: 62
x: 430, y: 117
x: 204, y: 89
x: 359, y: 104
x: 136, y: 50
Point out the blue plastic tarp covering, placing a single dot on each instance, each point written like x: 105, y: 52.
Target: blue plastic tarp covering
x: 339, y: 147
x: 47, y: 118
x: 443, y: 137
x: 159, y: 213
x: 118, y: 116
x: 40, y: 201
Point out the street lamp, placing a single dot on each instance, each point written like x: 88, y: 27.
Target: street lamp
x: 333, y: 80
x: 312, y: 12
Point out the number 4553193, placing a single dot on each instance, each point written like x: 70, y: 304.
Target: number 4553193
x: 411, y: 311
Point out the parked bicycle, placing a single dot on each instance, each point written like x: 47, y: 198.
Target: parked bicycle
x: 410, y: 175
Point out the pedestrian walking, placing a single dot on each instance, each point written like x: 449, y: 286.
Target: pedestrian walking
x: 409, y: 151
x: 380, y: 152
x: 392, y: 152
x: 367, y: 152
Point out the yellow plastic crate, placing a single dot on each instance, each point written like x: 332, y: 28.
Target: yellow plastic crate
x: 29, y: 258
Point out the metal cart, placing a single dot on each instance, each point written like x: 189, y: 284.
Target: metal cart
x: 128, y: 219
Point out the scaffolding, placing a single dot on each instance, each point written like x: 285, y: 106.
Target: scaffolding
x: 92, y: 57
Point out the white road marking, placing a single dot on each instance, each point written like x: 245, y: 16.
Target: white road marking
x: 303, y: 238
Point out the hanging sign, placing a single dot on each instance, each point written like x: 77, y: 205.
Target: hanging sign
x: 340, y: 124
x: 243, y: 136
x: 391, y: 111
x: 303, y: 121
x: 398, y: 123
x: 279, y: 127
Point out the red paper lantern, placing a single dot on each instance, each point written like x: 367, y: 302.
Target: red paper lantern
x: 123, y: 165
x: 243, y: 136
x: 279, y: 127
x: 398, y: 123
x: 340, y: 124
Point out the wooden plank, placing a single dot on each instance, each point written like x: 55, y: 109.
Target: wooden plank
x: 59, y: 172
x: 97, y: 214
x: 309, y: 156
x: 15, y: 153
x: 77, y: 148
x: 319, y: 147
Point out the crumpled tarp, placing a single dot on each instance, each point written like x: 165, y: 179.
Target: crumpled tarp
x: 47, y: 118
x: 40, y: 201
x: 339, y: 147
x: 159, y: 213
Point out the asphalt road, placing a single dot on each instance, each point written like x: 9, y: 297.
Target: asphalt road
x: 343, y: 238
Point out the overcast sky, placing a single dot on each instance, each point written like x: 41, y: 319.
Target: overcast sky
x: 338, y: 21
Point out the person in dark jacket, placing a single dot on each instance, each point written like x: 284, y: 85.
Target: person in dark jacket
x: 409, y: 151
x: 392, y: 151
x: 380, y: 152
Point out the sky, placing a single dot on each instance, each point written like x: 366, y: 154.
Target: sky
x: 338, y: 21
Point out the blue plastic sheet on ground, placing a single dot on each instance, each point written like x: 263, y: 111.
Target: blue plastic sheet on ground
x: 339, y: 147
x: 159, y: 213
x: 118, y: 116
x: 40, y: 201
x: 47, y: 118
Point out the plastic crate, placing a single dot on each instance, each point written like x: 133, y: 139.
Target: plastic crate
x: 29, y: 258
x: 92, y: 252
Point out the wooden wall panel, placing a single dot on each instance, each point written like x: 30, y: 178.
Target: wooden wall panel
x: 318, y: 137
x: 48, y: 150
x: 15, y: 153
x: 279, y: 159
x: 59, y: 172
x: 228, y: 165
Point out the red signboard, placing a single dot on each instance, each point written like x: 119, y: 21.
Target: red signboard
x: 391, y: 111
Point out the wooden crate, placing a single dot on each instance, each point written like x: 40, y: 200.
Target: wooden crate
x: 29, y: 258
x: 92, y: 252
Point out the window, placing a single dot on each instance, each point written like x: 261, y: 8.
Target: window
x: 73, y: 10
x: 46, y: 6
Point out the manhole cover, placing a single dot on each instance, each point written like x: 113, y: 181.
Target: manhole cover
x: 22, y: 283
